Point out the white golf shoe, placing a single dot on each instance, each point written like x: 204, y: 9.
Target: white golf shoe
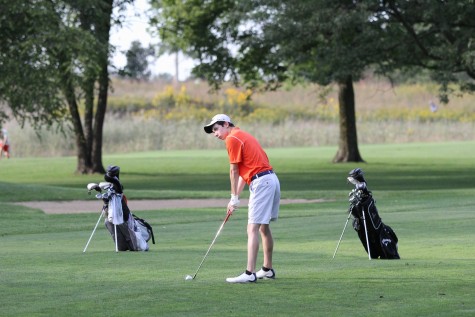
x: 261, y: 274
x: 243, y: 278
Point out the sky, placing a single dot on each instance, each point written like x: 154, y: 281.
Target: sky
x: 135, y: 28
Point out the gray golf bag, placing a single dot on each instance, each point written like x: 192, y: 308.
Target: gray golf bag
x: 128, y: 231
x: 133, y: 233
x: 378, y: 239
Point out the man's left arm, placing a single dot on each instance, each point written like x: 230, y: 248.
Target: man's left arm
x: 237, y: 185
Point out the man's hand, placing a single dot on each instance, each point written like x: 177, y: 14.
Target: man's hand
x: 233, y: 203
x: 231, y: 209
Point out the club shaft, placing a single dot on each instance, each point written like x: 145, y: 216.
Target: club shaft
x: 212, y: 243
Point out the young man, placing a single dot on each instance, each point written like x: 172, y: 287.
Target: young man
x: 249, y: 165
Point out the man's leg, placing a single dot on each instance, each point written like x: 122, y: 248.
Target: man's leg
x: 252, y: 250
x: 267, y: 245
x: 252, y: 246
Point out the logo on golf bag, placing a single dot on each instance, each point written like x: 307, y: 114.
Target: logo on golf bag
x: 386, y: 242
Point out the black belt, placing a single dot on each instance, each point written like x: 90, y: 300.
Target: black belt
x: 262, y: 174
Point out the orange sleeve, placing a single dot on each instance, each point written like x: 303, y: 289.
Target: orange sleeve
x: 245, y: 150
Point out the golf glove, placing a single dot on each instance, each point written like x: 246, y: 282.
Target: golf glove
x: 234, y: 201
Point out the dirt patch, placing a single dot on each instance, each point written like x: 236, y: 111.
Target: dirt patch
x: 81, y: 206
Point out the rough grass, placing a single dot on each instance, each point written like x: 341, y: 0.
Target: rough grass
x: 149, y: 116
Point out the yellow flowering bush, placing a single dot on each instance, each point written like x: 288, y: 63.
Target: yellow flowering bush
x: 237, y: 102
x: 267, y: 115
x: 192, y: 101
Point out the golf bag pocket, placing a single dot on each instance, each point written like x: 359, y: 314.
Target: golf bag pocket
x: 142, y: 231
x: 142, y: 245
x: 145, y: 228
x: 389, y: 241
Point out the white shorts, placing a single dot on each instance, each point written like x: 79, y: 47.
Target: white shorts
x: 264, y: 199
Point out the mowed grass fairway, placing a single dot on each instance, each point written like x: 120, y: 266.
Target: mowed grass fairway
x: 425, y: 192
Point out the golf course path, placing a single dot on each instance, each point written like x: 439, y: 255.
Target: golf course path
x: 81, y: 206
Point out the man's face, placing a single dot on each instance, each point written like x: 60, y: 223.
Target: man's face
x: 221, y: 131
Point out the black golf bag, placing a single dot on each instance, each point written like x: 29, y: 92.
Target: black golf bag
x: 373, y: 233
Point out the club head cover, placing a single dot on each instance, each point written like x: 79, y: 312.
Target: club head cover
x: 115, y: 181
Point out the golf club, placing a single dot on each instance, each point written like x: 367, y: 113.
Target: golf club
x: 105, y: 185
x: 217, y: 234
x: 93, y: 186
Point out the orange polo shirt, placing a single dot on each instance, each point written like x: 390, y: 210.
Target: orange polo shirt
x: 245, y: 150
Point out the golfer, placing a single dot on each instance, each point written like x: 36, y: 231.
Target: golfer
x: 249, y: 165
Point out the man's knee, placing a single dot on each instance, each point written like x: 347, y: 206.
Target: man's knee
x: 264, y: 229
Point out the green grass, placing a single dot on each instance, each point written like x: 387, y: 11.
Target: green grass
x: 423, y: 191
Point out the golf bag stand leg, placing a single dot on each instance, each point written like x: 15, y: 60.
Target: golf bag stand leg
x: 115, y: 234
x: 366, y: 233
x: 341, y: 237
x: 100, y: 216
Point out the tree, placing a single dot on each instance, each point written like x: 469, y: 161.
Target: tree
x: 56, y: 55
x: 30, y: 75
x: 269, y: 41
x: 94, y: 19
x: 323, y: 41
x: 137, y: 62
x: 433, y: 35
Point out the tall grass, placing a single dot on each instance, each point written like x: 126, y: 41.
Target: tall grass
x: 132, y: 134
x: 152, y: 116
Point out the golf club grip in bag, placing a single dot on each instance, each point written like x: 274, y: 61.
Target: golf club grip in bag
x: 382, y: 240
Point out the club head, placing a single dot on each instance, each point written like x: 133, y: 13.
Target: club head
x: 93, y: 186
x: 105, y: 185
